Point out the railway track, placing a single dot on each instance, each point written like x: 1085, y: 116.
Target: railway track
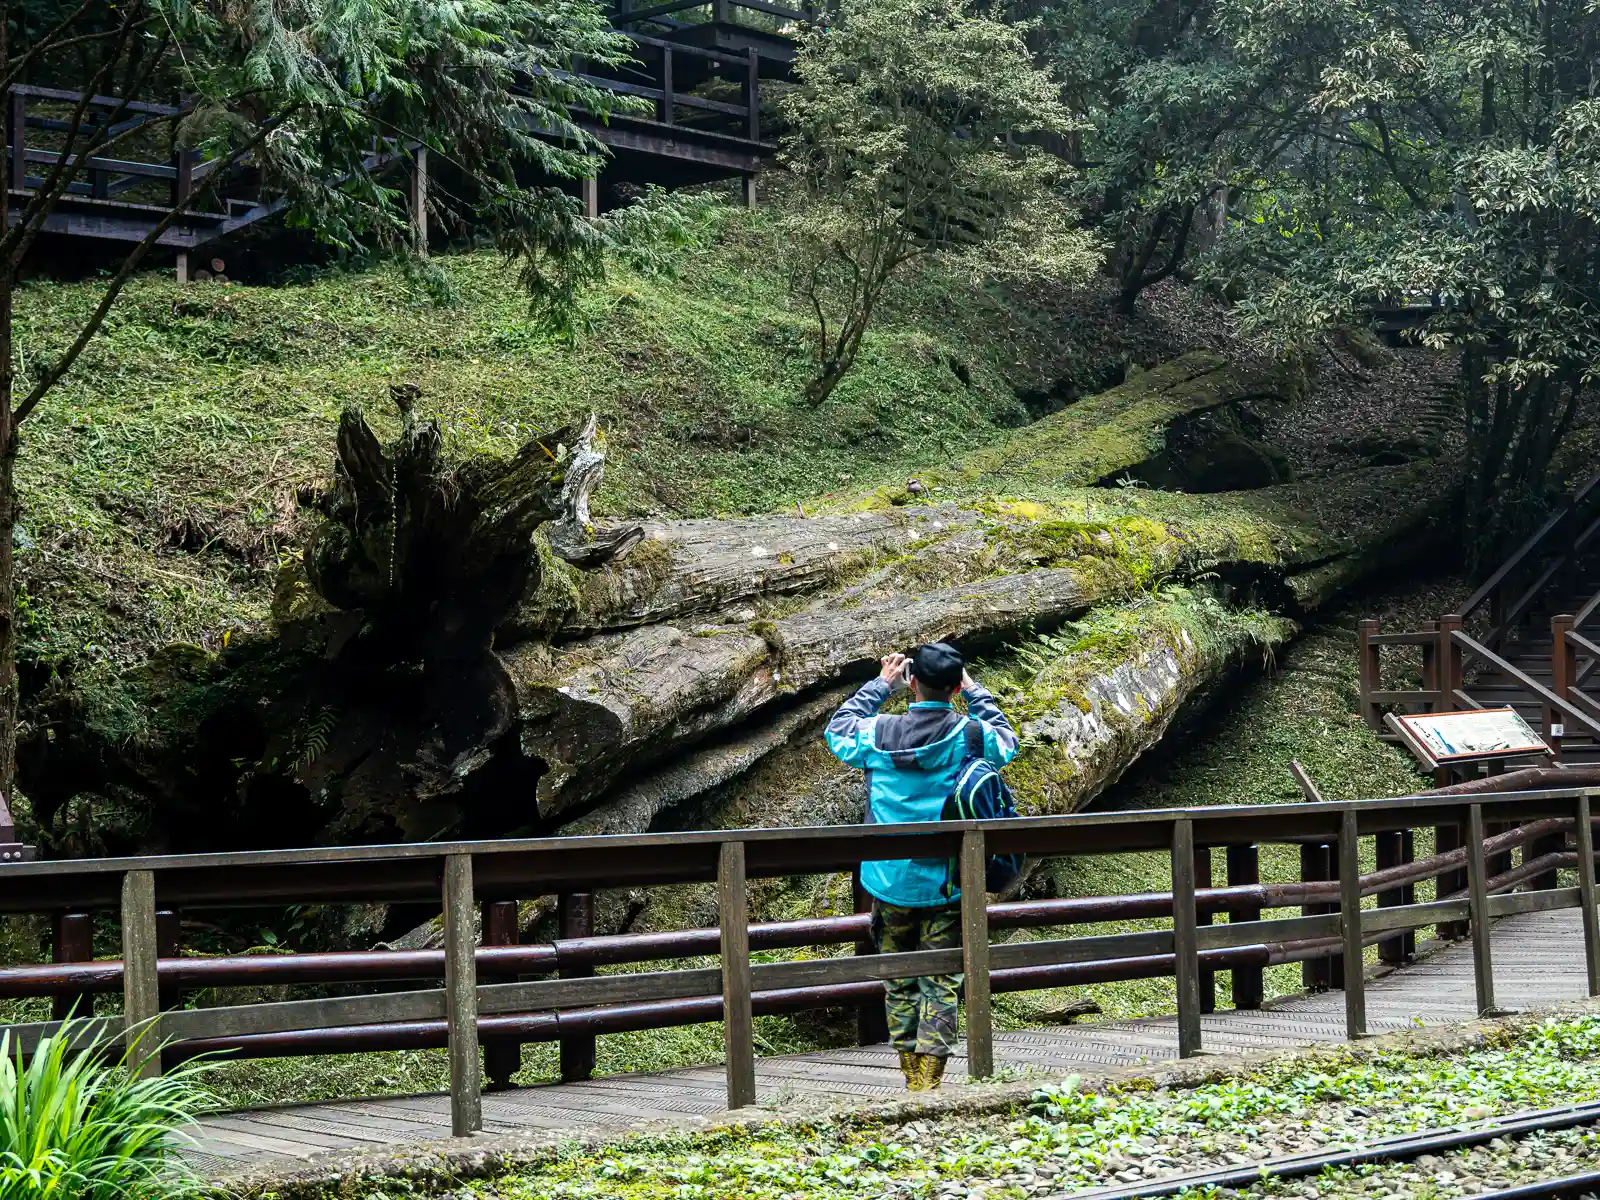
x: 1400, y: 1149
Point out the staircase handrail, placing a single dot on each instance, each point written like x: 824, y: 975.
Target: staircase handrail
x: 1547, y: 697
x: 1534, y: 543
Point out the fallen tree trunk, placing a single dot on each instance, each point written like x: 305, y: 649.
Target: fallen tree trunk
x: 701, y: 567
x: 664, y: 687
x: 619, y: 702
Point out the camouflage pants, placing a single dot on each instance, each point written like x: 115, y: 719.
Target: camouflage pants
x: 922, y: 1012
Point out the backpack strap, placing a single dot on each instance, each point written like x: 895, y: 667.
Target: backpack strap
x: 973, y: 776
x: 974, y: 737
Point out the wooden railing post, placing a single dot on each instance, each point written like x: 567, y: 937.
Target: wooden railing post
x: 1244, y: 870
x: 17, y: 137
x: 1478, y: 899
x: 975, y: 955
x: 183, y: 177
x: 1430, y: 663
x: 575, y: 918
x: 1562, y: 669
x: 752, y: 95
x: 1449, y: 664
x: 872, y: 1021
x: 666, y: 85
x: 72, y: 941
x: 719, y: 11
x: 461, y: 997
x: 141, y: 997
x: 1202, y: 879
x: 1586, y: 894
x: 738, y: 1025
x: 1368, y: 671
x: 1355, y: 979
x: 502, y: 1056
x: 1185, y: 938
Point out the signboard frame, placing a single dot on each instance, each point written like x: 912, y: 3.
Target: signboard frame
x: 1403, y: 727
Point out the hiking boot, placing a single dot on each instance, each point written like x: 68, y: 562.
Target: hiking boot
x: 911, y: 1067
x: 933, y: 1066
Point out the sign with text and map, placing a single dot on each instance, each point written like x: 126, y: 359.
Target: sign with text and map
x: 1440, y: 739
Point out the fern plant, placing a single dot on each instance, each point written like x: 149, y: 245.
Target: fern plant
x: 75, y: 1125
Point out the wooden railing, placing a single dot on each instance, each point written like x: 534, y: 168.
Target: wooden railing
x: 483, y: 1002
x: 720, y: 11
x: 659, y: 70
x: 1539, y: 563
x: 106, y: 117
x: 1546, y: 561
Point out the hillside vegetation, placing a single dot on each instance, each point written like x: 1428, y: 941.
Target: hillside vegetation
x: 159, y: 487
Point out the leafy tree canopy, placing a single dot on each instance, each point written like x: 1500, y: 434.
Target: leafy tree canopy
x: 907, y: 130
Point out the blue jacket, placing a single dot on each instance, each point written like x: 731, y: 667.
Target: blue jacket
x: 911, y: 764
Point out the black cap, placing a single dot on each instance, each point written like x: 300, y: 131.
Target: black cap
x: 938, y: 664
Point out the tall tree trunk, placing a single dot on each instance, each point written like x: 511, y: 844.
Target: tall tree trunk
x: 8, y: 486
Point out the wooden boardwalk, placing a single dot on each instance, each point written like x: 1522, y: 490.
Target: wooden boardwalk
x: 1538, y: 960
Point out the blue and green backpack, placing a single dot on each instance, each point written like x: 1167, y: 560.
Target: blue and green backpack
x: 981, y: 794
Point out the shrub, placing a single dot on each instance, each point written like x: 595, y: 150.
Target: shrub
x: 77, y: 1125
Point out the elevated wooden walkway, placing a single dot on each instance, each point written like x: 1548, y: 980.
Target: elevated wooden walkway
x: 1525, y: 640
x: 1538, y: 961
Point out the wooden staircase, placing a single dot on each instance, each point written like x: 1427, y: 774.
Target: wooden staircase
x: 1528, y: 639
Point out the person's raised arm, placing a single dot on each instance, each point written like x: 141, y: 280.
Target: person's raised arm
x: 999, y: 739
x: 849, y: 732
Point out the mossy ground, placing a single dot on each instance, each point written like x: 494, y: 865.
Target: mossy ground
x: 1072, y: 1136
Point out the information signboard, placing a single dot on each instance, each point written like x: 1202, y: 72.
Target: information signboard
x: 1441, y: 739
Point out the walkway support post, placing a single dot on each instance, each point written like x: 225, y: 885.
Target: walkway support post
x: 1185, y: 938
x: 1202, y: 879
x: 1586, y: 893
x: 1445, y: 839
x: 575, y: 918
x: 975, y: 955
x: 461, y: 997
x: 72, y: 941
x: 419, y: 200
x: 141, y: 996
x: 1355, y: 977
x: 872, y: 1022
x: 1244, y: 870
x: 738, y: 1033
x: 502, y: 1056
x: 1387, y: 851
x: 1478, y: 899
x: 1316, y: 974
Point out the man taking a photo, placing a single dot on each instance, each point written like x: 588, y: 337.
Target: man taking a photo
x: 911, y: 764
